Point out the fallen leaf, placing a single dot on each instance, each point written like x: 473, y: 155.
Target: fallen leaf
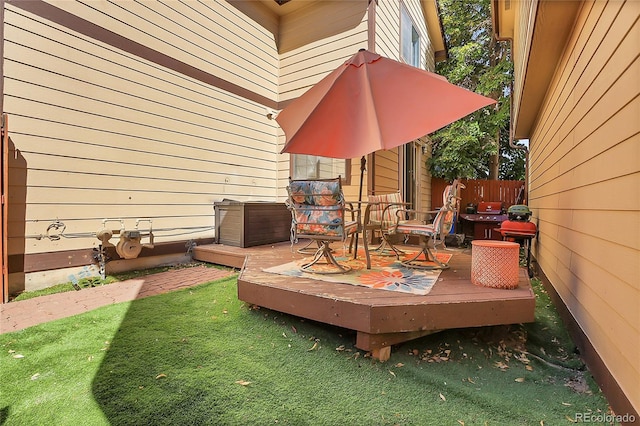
x: 501, y: 365
x: 315, y: 346
x: 399, y: 365
x: 11, y: 351
x: 340, y: 348
x: 35, y: 376
x: 17, y: 356
x: 284, y: 335
x: 225, y: 311
x: 541, y: 422
x: 520, y: 379
x: 570, y: 419
x: 161, y: 376
x: 243, y: 382
x: 567, y: 404
x: 528, y: 368
x: 392, y: 373
x: 294, y: 329
x: 461, y: 422
x: 442, y: 397
x: 470, y: 381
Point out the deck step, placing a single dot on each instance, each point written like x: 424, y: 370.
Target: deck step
x: 220, y: 254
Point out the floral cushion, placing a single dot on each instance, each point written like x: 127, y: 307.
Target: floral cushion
x: 318, y: 208
x: 316, y: 193
x: 319, y: 221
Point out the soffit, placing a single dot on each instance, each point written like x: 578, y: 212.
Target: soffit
x: 300, y: 22
x: 503, y: 19
x: 553, y: 24
x: 550, y: 30
x: 274, y: 17
x: 434, y: 28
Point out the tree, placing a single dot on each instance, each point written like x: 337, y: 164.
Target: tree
x: 470, y: 147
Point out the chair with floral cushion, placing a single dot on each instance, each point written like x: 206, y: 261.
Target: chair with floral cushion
x: 319, y: 210
x: 379, y: 216
x: 429, y: 233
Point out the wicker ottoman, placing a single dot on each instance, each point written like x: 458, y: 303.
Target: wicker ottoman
x: 495, y: 263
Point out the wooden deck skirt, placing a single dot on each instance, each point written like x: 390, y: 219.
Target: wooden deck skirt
x: 381, y: 318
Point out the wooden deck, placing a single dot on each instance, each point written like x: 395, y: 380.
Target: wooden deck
x: 381, y: 318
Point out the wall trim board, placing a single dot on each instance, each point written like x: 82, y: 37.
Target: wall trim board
x: 38, y: 262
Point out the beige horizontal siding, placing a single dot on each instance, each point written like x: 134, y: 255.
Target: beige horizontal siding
x: 388, y: 29
x: 302, y: 67
x: 584, y: 179
x: 202, y: 34
x: 322, y: 21
x: 101, y: 133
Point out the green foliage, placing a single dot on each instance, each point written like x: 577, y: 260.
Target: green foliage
x: 481, y: 64
x: 200, y: 356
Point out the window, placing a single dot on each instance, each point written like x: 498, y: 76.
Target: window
x: 409, y: 39
x: 313, y: 167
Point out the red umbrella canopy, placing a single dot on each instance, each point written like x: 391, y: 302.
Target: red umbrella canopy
x: 372, y: 103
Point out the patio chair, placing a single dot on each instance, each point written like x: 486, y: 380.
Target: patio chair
x: 318, y: 211
x: 379, y: 216
x: 430, y: 234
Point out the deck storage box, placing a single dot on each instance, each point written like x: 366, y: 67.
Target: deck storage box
x: 251, y: 223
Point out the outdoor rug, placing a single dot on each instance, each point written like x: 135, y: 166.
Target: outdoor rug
x: 386, y: 273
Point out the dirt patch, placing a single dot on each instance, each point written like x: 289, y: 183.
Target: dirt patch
x: 578, y: 384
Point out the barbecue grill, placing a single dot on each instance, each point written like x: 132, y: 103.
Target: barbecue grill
x: 488, y: 217
x: 518, y: 223
x: 519, y: 212
x: 518, y: 228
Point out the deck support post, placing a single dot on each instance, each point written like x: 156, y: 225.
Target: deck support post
x: 382, y: 354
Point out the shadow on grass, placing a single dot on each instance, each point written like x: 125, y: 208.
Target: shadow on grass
x: 4, y: 415
x: 200, y: 356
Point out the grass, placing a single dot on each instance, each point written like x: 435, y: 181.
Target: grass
x: 200, y: 356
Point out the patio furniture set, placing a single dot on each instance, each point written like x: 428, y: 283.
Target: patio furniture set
x: 321, y: 214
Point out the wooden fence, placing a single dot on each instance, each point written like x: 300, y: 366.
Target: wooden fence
x: 509, y: 192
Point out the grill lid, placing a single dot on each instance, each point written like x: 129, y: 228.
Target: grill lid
x: 519, y: 212
x: 490, y: 207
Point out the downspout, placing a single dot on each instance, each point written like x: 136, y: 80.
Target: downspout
x: 371, y: 47
x: 371, y: 25
x: 512, y: 143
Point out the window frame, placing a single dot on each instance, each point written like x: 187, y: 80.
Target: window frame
x: 410, y: 35
x: 345, y: 179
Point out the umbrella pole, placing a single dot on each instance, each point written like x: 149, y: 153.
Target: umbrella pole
x: 363, y: 163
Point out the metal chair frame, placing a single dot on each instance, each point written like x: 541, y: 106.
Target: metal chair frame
x: 429, y: 233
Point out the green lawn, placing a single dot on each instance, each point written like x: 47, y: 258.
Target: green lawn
x: 202, y: 357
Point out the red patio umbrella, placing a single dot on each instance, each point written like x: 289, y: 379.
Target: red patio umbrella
x: 372, y: 103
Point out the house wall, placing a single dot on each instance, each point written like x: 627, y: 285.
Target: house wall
x: 304, y: 66
x: 584, y: 177
x: 125, y: 115
x: 124, y: 111
x: 388, y: 163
